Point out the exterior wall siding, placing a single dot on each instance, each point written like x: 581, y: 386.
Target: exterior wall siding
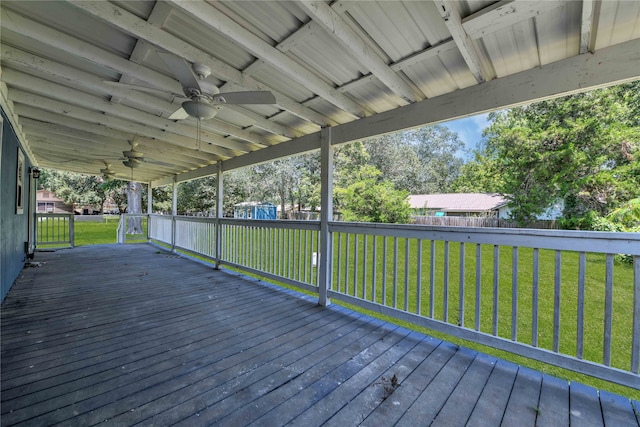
x: 13, y: 226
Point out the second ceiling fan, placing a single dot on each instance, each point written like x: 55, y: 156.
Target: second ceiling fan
x: 202, y: 102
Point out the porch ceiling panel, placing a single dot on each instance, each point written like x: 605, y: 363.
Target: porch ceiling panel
x: 367, y: 66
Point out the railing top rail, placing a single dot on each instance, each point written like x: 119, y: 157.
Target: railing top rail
x: 587, y: 241
x: 273, y: 223
x: 54, y: 215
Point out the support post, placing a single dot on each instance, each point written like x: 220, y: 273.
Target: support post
x: 219, y: 214
x: 326, y: 215
x: 174, y: 212
x: 149, y: 209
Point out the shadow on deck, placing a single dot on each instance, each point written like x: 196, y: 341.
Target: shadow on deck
x: 128, y: 334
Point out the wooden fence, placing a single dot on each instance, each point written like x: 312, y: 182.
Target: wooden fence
x: 462, y: 221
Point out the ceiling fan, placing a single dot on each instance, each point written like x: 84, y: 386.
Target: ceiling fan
x: 107, y: 172
x: 134, y: 158
x: 202, y: 101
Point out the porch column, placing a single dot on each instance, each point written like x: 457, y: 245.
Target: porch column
x: 326, y: 215
x: 149, y: 208
x: 174, y: 212
x: 219, y: 214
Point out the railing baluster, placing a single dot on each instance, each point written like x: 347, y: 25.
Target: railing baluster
x: 338, y: 261
x: 384, y: 271
x: 608, y: 311
x: 374, y: 278
x: 478, y: 283
x: 635, y: 347
x: 556, y: 302
x: 305, y: 256
x: 445, y: 302
x: 514, y: 293
x: 364, y: 269
x: 432, y: 279
x: 356, y: 262
x: 419, y: 278
x: 534, y: 298
x: 395, y: 272
x: 582, y: 266
x: 290, y: 253
x: 496, y: 283
x: 346, y: 264
x: 461, y: 291
x: 406, y: 274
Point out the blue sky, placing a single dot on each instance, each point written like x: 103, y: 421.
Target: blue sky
x: 469, y: 129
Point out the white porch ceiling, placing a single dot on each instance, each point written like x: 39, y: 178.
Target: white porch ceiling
x: 360, y: 67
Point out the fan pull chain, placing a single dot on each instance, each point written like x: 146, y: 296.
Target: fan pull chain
x: 198, y: 132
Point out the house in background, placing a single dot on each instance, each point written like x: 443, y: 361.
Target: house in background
x: 49, y: 203
x: 460, y: 204
x: 255, y: 210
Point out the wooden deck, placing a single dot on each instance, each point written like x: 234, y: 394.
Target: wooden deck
x: 129, y: 334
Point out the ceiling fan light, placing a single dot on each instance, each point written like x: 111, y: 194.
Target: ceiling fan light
x: 200, y: 109
x: 132, y: 163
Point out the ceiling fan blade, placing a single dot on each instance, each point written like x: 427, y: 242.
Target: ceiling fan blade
x: 181, y: 69
x: 179, y: 114
x: 246, y: 97
x: 159, y: 163
x: 147, y: 89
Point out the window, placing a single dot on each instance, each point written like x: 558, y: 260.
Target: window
x: 20, y: 183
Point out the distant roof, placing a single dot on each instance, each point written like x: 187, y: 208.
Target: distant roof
x: 458, y: 202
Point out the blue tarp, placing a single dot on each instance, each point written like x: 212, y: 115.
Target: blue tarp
x: 255, y: 210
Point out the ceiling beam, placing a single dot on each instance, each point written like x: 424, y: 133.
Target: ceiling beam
x: 52, y: 105
x: 334, y: 25
x: 18, y: 59
x: 453, y: 21
x: 413, y: 59
x: 157, y: 17
x: 93, y: 141
x: 141, y: 29
x: 605, y: 67
x: 213, y: 19
x: 505, y: 14
x: 167, y: 144
x: 95, y: 103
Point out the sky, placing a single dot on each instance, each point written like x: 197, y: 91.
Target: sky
x: 469, y: 129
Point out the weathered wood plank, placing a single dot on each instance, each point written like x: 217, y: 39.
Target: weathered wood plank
x: 234, y: 383
x: 523, y: 405
x: 460, y: 404
x: 553, y: 408
x: 355, y: 411
x: 616, y: 410
x: 493, y: 400
x: 584, y: 406
x: 393, y: 408
x: 127, y: 335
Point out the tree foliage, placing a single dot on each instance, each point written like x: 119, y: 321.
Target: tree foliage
x: 583, y: 149
x: 371, y: 199
x: 424, y: 160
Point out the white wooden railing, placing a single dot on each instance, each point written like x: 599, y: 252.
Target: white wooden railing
x: 55, y: 229
x: 560, y: 297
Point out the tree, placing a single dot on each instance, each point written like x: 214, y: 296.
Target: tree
x: 582, y: 148
x: 371, y: 199
x: 424, y: 160
x: 76, y: 189
x: 438, y: 151
x: 134, y: 206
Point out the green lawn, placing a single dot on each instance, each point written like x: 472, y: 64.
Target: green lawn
x: 404, y: 295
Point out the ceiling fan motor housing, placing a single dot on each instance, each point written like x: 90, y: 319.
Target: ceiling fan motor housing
x: 200, y: 108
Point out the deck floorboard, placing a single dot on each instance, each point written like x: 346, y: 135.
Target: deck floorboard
x: 128, y: 334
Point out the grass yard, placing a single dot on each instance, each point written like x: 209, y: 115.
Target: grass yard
x: 406, y: 285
